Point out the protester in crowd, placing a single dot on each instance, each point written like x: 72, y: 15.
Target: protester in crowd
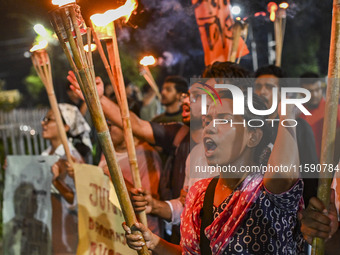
x: 134, y: 98
x: 108, y: 91
x: 174, y: 138
x: 64, y: 216
x: 267, y: 78
x: 171, y: 210
x: 149, y: 165
x: 238, y: 212
x: 151, y: 104
x: 316, y: 106
x: 172, y: 90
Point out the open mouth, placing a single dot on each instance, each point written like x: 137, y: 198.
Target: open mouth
x: 209, y: 145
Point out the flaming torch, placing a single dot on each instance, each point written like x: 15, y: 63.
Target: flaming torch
x: 145, y: 71
x: 42, y: 65
x: 272, y: 8
x: 278, y: 16
x: 69, y: 25
x: 104, y: 29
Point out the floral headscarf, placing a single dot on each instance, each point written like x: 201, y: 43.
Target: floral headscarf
x: 78, y: 125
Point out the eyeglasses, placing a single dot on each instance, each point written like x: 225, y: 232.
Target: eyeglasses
x: 46, y: 119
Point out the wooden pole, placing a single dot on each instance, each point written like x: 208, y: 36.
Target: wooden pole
x: 42, y: 65
x: 279, y: 29
x: 105, y: 62
x: 113, y: 52
x: 149, y: 78
x: 237, y: 29
x: 70, y: 25
x: 329, y: 124
x: 89, y: 53
x: 117, y: 81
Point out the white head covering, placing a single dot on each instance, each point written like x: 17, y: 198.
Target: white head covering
x: 75, y: 120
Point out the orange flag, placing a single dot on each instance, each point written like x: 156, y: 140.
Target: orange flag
x: 215, y: 22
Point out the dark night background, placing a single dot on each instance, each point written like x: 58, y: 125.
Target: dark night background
x: 162, y: 26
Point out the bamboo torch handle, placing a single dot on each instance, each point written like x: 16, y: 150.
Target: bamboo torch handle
x: 149, y: 78
x: 126, y: 122
x: 60, y: 124
x: 113, y: 52
x: 105, y: 62
x: 329, y: 124
x: 278, y: 40
x: 93, y: 103
x: 42, y: 65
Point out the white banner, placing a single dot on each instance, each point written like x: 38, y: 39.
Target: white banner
x: 99, y: 221
x: 27, y: 205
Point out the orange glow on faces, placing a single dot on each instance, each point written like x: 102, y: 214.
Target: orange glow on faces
x: 111, y: 15
x: 147, y: 61
x: 272, y: 8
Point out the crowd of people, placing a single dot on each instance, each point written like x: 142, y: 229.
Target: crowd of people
x: 226, y: 213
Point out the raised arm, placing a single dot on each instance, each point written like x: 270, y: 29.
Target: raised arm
x: 140, y: 128
x: 285, y: 153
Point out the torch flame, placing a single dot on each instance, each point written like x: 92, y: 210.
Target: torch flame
x: 284, y: 5
x: 62, y: 2
x: 111, y: 15
x: 147, y: 61
x: 272, y: 8
x: 260, y: 14
x: 41, y: 45
x: 93, y: 47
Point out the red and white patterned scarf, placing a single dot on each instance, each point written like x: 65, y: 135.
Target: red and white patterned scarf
x: 225, y: 225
